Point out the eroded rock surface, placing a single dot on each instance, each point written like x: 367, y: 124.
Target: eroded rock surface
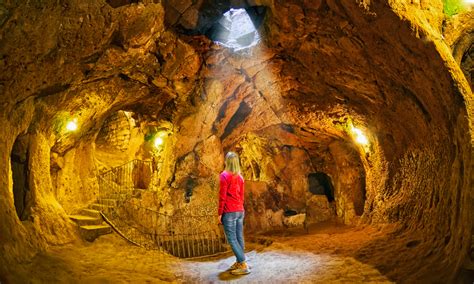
x: 288, y: 106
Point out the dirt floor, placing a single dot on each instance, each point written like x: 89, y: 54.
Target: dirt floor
x: 322, y: 255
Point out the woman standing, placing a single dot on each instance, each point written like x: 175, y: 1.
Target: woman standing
x: 231, y: 211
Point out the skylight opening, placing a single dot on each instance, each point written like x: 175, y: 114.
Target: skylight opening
x: 235, y: 30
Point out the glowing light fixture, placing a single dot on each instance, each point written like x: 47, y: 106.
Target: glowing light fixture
x: 359, y: 136
x: 158, y: 141
x: 72, y: 125
x: 469, y: 2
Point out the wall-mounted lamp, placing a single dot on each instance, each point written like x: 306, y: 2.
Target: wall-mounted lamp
x: 71, y: 125
x: 359, y: 136
x: 159, y: 138
x: 158, y: 141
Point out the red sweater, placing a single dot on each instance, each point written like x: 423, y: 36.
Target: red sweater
x: 231, y: 193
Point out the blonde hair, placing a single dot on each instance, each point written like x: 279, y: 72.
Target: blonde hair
x: 232, y: 163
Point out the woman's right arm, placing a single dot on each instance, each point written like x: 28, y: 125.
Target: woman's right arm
x: 222, y: 194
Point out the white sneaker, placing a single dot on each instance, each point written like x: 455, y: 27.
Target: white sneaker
x: 242, y: 269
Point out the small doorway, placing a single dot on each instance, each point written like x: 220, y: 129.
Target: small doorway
x: 321, y: 184
x: 19, y: 165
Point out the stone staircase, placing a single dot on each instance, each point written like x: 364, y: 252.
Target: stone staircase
x: 112, y: 193
x: 90, y: 222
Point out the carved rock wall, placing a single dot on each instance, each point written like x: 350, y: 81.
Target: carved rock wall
x: 115, y: 132
x: 323, y: 67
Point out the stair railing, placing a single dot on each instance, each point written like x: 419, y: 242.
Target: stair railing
x: 181, y: 235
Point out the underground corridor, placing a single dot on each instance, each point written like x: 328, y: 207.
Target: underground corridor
x: 352, y: 120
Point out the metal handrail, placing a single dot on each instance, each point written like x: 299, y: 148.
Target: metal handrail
x: 150, y: 228
x: 129, y: 162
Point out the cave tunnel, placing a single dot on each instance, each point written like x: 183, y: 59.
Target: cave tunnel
x: 321, y: 184
x: 352, y: 121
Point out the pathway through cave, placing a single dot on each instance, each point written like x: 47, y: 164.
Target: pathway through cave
x: 327, y: 254
x: 371, y: 94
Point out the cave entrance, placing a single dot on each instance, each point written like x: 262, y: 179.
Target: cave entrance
x: 19, y: 165
x: 321, y: 184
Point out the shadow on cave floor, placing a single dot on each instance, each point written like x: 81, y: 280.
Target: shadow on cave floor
x: 324, y: 255
x: 109, y: 259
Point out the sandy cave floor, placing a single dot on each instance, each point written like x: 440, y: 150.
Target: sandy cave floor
x: 321, y: 256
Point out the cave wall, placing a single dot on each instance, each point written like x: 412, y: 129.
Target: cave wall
x: 459, y: 35
x: 331, y: 65
x: 38, y: 91
x: 406, y: 111
x: 45, y: 221
x: 350, y: 184
x: 74, y: 177
x: 115, y: 132
x: 17, y: 243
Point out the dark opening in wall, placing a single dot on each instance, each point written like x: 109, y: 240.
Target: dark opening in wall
x: 467, y: 64
x: 359, y: 200
x: 240, y: 115
x: 19, y: 163
x: 321, y: 184
x: 256, y: 170
x: 120, y: 3
x: 188, y: 189
x: 142, y: 175
x: 290, y: 212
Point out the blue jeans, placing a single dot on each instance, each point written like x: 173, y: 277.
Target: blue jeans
x: 234, y: 230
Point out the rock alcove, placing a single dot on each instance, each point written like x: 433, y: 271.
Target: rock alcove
x: 356, y: 114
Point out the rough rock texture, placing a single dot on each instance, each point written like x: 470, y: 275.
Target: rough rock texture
x: 115, y: 132
x: 319, y: 209
x: 459, y: 35
x: 75, y: 177
x: 287, y: 106
x: 428, y: 12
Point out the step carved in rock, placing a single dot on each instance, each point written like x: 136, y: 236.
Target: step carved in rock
x: 91, y: 232
x: 108, y: 202
x: 82, y: 220
x: 90, y: 213
x: 101, y: 207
